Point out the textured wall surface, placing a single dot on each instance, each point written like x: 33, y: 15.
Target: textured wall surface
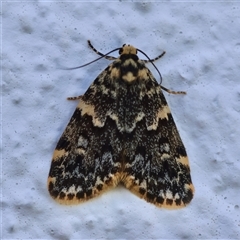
x: 202, y: 57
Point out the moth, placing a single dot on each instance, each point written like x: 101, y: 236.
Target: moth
x: 122, y: 131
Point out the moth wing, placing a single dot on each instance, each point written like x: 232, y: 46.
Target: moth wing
x: 86, y: 159
x: 158, y: 168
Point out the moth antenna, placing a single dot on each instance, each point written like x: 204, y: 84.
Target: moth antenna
x: 151, y: 61
x: 84, y: 65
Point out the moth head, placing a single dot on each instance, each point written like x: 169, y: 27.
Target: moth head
x: 127, y: 49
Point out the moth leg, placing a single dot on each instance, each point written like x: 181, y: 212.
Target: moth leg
x: 99, y: 53
x: 74, y: 98
x: 172, y: 92
x: 154, y: 59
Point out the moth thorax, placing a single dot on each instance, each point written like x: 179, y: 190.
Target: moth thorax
x: 128, y: 49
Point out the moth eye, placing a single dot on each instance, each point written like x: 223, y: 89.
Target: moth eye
x: 124, y: 45
x: 121, y: 50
